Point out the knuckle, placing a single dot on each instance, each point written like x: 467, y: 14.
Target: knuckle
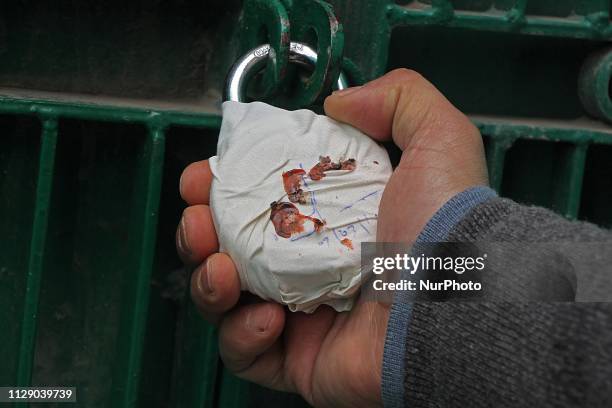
x: 462, y: 126
x: 406, y: 76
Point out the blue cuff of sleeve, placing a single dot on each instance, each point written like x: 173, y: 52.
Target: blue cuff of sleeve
x: 436, y: 230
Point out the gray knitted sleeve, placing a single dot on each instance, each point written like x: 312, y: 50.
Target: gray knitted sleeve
x: 519, y: 354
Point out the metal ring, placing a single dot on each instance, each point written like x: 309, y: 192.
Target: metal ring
x: 253, y: 61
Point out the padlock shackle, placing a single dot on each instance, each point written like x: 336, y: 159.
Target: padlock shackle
x: 255, y: 60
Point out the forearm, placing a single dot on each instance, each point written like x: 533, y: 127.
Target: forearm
x: 509, y: 355
x: 540, y: 235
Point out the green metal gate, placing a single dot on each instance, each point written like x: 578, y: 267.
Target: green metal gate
x: 101, y: 107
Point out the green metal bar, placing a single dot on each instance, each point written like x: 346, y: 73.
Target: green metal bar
x: 496, y: 155
x: 37, y: 247
x: 569, y: 187
x: 234, y: 392
x: 213, y: 120
x: 494, y: 128
x: 511, y: 22
x: 194, y: 375
x: 108, y: 113
x: 138, y: 318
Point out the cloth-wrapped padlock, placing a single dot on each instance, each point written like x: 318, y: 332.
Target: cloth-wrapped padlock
x: 293, y: 195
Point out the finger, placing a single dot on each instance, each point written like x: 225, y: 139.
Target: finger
x: 215, y: 286
x: 247, y: 340
x: 196, y: 237
x: 303, y: 337
x: 195, y: 182
x: 402, y: 105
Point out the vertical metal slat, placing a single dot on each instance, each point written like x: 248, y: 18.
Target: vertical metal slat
x: 37, y: 247
x: 138, y: 315
x: 568, y: 189
x: 196, y: 361
x: 233, y: 391
x: 496, y: 154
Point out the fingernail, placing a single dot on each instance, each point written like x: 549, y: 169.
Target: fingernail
x: 347, y: 91
x: 181, y: 185
x: 206, y: 277
x: 183, y: 243
x: 259, y: 320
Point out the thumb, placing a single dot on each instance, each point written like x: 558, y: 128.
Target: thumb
x: 442, y: 154
x: 402, y: 105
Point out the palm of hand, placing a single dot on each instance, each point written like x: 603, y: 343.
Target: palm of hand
x: 334, y: 359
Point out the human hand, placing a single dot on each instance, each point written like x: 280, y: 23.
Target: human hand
x: 334, y: 359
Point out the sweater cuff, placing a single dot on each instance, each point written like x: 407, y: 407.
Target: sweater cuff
x: 436, y: 230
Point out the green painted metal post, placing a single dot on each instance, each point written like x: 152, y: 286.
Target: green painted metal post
x: 568, y: 191
x: 195, y: 372
x: 37, y: 247
x: 127, y: 380
x: 233, y: 391
x: 496, y: 153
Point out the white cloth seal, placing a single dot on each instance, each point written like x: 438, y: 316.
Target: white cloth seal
x: 293, y: 196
